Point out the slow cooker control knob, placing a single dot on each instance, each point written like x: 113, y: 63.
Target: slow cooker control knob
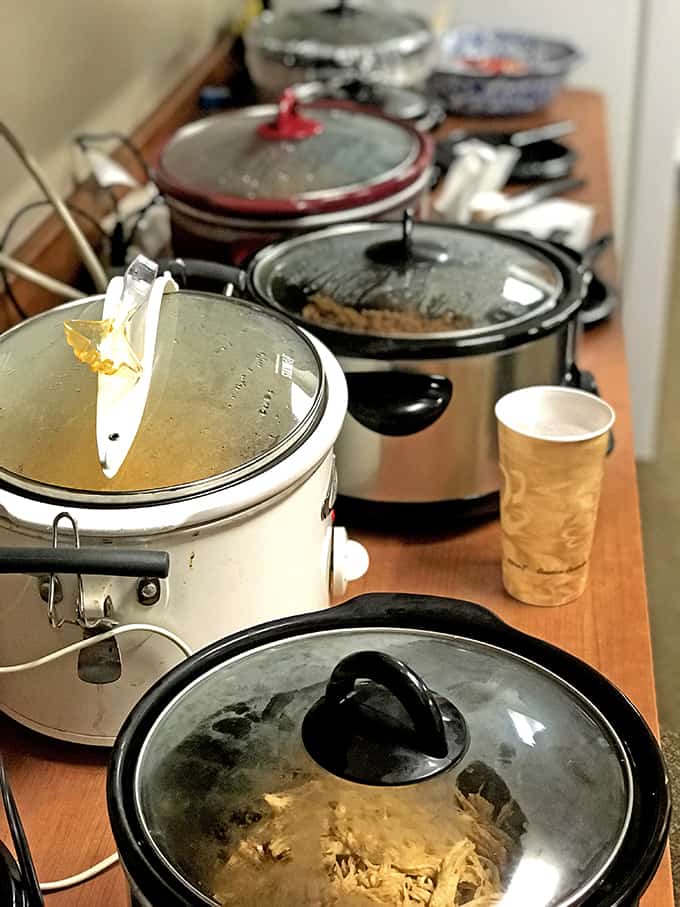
x: 350, y: 561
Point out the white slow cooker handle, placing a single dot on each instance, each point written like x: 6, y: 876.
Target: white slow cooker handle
x: 94, y: 561
x: 350, y: 561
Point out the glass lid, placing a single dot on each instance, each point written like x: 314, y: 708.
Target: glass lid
x: 325, y: 33
x: 289, y: 160
x: 408, y: 281
x: 289, y: 775
x: 233, y: 387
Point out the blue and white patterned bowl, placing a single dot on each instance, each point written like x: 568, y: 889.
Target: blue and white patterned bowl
x: 463, y: 91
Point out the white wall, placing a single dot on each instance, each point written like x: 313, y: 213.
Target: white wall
x: 75, y: 65
x: 651, y: 213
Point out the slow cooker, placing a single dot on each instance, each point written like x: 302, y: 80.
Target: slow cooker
x: 388, y: 47
x: 237, y: 180
x: 396, y: 749
x: 432, y: 325
x: 231, y: 477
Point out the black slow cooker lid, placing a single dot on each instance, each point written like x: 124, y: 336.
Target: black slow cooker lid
x: 241, y: 728
x: 416, y: 283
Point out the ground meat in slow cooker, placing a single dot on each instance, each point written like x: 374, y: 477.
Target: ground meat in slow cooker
x: 324, y: 310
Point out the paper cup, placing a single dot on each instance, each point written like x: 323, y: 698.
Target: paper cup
x: 552, y: 444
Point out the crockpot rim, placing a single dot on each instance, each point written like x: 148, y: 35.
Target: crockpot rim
x: 639, y: 855
x: 308, y: 50
x: 145, y: 498
x: 305, y: 223
x: 337, y: 201
x: 360, y: 345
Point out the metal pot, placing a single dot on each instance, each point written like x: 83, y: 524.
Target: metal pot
x: 304, y: 759
x: 231, y: 474
x: 386, y: 47
x: 235, y: 181
x: 432, y: 325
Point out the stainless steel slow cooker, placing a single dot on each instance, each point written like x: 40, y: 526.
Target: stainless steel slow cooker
x: 385, y: 46
x: 231, y: 475
x: 235, y: 181
x: 432, y: 325
x: 396, y: 749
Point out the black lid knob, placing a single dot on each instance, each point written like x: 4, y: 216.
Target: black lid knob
x: 341, y: 8
x: 379, y: 723
x: 405, y: 251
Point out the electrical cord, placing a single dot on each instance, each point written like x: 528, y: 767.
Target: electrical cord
x: 112, y: 859
x: 41, y: 203
x: 81, y: 877
x: 37, y: 277
x: 86, y: 251
x: 93, y: 138
x: 119, y: 244
x: 95, y: 640
x: 140, y: 215
x: 11, y: 224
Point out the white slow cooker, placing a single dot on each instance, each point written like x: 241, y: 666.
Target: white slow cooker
x: 232, y: 474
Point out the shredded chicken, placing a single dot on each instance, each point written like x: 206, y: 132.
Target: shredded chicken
x: 328, y: 843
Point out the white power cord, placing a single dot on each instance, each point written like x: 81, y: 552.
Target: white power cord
x: 84, y: 876
x: 95, y: 640
x: 37, y: 277
x: 86, y: 251
x: 111, y: 860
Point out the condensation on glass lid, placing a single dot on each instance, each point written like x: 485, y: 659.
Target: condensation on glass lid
x: 231, y: 386
x: 483, y: 284
x: 552, y: 770
x: 359, y: 25
x: 224, y: 156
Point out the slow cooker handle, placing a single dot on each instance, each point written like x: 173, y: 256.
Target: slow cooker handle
x: 354, y: 732
x: 402, y: 682
x: 397, y: 403
x: 187, y: 270
x: 93, y: 561
x: 405, y: 609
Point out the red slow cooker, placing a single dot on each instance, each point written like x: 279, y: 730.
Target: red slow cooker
x: 237, y: 180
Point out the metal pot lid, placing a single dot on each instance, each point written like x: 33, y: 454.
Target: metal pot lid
x: 346, y: 35
x: 291, y: 160
x: 415, y: 281
x: 246, y: 794
x: 234, y: 388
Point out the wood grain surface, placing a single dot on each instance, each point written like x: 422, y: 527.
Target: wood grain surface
x: 60, y: 788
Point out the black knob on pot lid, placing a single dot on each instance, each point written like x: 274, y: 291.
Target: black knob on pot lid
x: 406, y: 251
x: 379, y: 723
x: 341, y: 8
x: 18, y: 881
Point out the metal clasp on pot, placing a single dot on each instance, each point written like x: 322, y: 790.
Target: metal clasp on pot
x: 53, y: 616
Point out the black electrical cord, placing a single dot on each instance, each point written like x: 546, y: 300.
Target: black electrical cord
x: 11, y: 224
x: 119, y: 245
x: 139, y: 216
x: 93, y: 138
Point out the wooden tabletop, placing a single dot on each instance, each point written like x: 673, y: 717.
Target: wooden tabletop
x: 60, y: 788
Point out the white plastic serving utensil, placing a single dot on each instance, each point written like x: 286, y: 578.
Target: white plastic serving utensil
x: 135, y: 301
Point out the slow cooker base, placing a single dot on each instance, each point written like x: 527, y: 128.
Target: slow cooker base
x: 458, y: 514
